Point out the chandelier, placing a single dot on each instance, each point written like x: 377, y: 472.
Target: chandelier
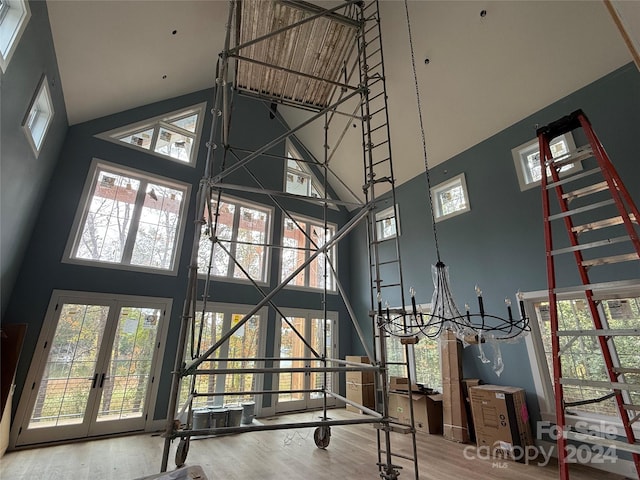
x: 470, y: 327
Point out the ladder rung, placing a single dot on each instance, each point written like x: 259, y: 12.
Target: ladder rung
x: 607, y: 222
x: 377, y: 242
x: 600, y: 384
x: 387, y: 286
x: 378, y: 162
x: 600, y: 333
x: 387, y: 262
x: 586, y: 208
x: 577, y: 155
x: 378, y: 127
x: 581, y: 192
x: 605, y: 442
x: 609, y: 260
x: 586, y: 246
x: 595, y: 286
x: 395, y: 427
x: 626, y: 370
x: 629, y: 406
x: 399, y: 455
x: 584, y: 173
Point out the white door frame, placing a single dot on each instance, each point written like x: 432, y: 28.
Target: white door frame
x: 19, y: 433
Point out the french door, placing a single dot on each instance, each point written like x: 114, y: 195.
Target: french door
x: 290, y: 347
x: 97, y: 359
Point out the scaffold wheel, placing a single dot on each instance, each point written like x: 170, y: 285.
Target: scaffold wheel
x: 182, y: 451
x: 322, y: 436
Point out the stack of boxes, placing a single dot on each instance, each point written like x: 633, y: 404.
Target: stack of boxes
x: 454, y: 414
x: 360, y: 386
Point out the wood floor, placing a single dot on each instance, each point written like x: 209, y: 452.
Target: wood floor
x: 279, y: 454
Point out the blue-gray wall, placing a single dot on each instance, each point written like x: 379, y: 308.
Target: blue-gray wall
x: 42, y: 271
x: 23, y: 177
x: 499, y: 244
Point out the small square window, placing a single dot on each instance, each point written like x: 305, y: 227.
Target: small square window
x: 39, y: 116
x: 450, y: 198
x: 14, y: 15
x: 387, y: 224
x: 526, y: 158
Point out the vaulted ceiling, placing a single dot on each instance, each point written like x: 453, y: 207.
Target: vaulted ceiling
x: 484, y: 72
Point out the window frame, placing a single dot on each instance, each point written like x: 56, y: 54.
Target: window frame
x: 521, y: 152
x: 15, y: 17
x: 39, y: 114
x: 292, y: 153
x: 543, y: 380
x: 458, y: 180
x: 318, y: 223
x: 159, y: 122
x: 241, y: 202
x: 85, y: 202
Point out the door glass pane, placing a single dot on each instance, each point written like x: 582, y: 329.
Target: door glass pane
x: 68, y: 373
x: 211, y: 332
x: 291, y: 346
x: 317, y: 341
x: 125, y: 387
x: 252, y: 228
x: 242, y: 345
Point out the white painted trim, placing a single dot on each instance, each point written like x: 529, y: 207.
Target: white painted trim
x: 42, y: 89
x: 459, y: 179
x: 21, y: 19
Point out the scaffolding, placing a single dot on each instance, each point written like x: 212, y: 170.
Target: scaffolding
x: 329, y: 63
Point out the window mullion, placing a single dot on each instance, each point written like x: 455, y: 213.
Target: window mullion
x: 307, y: 254
x: 135, y: 220
x: 234, y: 237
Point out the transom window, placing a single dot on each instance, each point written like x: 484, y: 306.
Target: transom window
x: 243, y: 230
x: 301, y: 239
x: 39, y: 116
x: 129, y: 219
x: 175, y: 135
x: 581, y: 357
x: 14, y: 15
x: 527, y: 160
x: 450, y: 198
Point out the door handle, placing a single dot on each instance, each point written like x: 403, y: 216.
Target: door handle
x: 102, y: 379
x: 95, y: 380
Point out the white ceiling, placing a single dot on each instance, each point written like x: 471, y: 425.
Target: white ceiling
x: 484, y: 74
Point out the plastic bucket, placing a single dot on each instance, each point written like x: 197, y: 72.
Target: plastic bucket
x: 218, y: 417
x: 235, y: 415
x: 248, y: 412
x: 201, y: 419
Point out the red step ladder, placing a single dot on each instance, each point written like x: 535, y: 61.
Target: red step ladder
x: 611, y: 226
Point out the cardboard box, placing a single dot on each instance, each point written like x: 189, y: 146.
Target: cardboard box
x: 467, y: 383
x: 362, y: 394
x: 363, y: 377
x: 501, y: 418
x: 454, y: 411
x: 401, y: 384
x: 427, y: 411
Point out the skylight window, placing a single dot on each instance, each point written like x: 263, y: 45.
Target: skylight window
x: 39, y: 116
x: 14, y: 15
x: 175, y: 135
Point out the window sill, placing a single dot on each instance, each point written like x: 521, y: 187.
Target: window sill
x: 118, y: 266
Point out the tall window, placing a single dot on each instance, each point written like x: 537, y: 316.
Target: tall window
x: 238, y: 351
x: 450, y: 198
x: 174, y: 136
x: 526, y: 158
x: 301, y: 239
x: 243, y: 230
x: 387, y: 224
x: 39, y: 116
x: 14, y: 15
x: 129, y: 219
x: 581, y: 356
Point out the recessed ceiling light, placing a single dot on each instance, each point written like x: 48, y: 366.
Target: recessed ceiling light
x: 174, y: 32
